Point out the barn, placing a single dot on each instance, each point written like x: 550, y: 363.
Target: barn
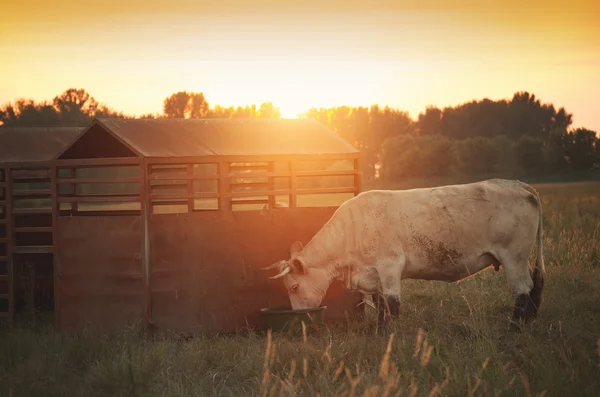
x: 26, y: 222
x: 168, y: 221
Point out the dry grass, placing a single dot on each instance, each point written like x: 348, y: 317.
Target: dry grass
x: 452, y: 340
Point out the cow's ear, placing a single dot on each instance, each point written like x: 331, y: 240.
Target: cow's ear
x: 299, y: 266
x: 296, y: 247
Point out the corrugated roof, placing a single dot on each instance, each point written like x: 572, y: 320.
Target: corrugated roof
x: 209, y: 137
x: 22, y: 144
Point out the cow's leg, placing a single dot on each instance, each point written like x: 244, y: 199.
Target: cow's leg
x: 381, y: 305
x: 519, y: 280
x: 390, y: 277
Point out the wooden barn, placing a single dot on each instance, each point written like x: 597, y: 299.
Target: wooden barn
x: 26, y: 222
x: 168, y: 221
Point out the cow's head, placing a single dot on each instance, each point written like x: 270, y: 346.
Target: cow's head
x: 306, y: 285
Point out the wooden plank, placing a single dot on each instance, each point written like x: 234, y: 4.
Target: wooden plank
x: 257, y: 193
x: 3, y: 277
x: 99, y: 195
x: 31, y: 211
x: 169, y: 187
x: 327, y: 190
x: 105, y: 276
x: 37, y: 229
x: 181, y: 177
x: 238, y: 202
x: 32, y: 193
x: 235, y: 167
x: 167, y: 196
x: 169, y: 203
x: 108, y: 212
x: 3, y: 222
x: 31, y: 180
x: 279, y: 174
x: 3, y: 258
x: 327, y: 173
x: 254, y: 158
x: 42, y: 173
x: 102, y: 162
x: 250, y: 184
x: 282, y: 174
x: 172, y: 170
x: 72, y: 181
x: 33, y: 249
x: 3, y: 240
x: 100, y: 199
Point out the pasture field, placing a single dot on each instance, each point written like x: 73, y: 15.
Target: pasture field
x: 451, y: 340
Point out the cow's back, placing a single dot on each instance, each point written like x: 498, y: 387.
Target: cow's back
x: 440, y: 223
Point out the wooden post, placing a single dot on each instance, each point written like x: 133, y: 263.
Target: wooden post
x: 9, y: 245
x: 293, y: 197
x: 190, y: 187
x: 55, y: 253
x: 271, y: 185
x: 145, y: 206
x: 31, y: 303
x: 357, y: 177
x: 224, y: 202
x: 74, y: 204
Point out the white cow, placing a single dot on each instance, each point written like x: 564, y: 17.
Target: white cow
x: 380, y: 237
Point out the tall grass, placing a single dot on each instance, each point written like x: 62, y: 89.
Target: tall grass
x: 451, y: 340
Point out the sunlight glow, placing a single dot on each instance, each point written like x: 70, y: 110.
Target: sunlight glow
x: 401, y: 56
x: 294, y: 86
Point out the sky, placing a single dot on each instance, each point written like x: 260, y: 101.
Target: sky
x: 130, y: 55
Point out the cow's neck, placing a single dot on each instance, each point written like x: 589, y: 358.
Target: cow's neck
x: 328, y: 250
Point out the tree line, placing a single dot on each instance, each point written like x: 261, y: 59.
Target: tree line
x: 518, y: 137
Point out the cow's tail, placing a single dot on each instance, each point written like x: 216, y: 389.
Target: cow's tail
x: 540, y: 269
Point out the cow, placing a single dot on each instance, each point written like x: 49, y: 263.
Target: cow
x: 447, y: 233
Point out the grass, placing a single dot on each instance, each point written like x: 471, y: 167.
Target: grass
x: 451, y: 340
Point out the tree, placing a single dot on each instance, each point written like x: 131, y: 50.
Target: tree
x: 198, y: 106
x: 76, y: 107
x: 581, y: 149
x: 477, y: 156
x: 529, y: 153
x: 185, y: 104
x: 75, y: 101
x: 268, y: 111
x: 429, y: 122
x: 25, y: 112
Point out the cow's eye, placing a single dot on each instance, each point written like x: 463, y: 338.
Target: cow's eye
x: 295, y: 288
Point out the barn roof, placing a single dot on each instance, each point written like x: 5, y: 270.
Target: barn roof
x: 34, y: 144
x: 210, y: 137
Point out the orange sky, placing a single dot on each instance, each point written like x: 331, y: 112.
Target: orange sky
x: 406, y: 54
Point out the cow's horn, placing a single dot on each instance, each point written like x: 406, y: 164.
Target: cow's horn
x: 285, y: 271
x: 273, y: 266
